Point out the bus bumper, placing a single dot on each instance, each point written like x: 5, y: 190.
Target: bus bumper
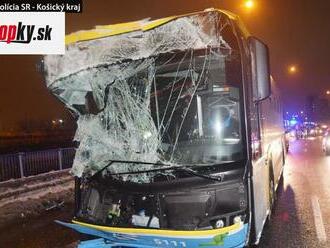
x: 229, y: 237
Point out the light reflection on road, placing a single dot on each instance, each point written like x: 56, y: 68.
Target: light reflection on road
x: 302, y: 210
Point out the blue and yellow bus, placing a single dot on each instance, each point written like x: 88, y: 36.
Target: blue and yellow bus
x: 180, y: 131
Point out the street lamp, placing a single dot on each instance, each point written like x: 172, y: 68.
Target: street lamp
x: 249, y: 4
x: 328, y: 92
x: 292, y: 69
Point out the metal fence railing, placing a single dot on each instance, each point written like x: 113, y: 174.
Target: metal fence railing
x: 24, y: 164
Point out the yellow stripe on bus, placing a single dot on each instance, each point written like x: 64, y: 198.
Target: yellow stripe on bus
x: 161, y: 232
x: 157, y: 23
x: 143, y: 25
x: 102, y: 31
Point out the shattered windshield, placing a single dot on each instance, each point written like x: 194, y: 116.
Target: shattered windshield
x: 196, y: 108
x: 168, y: 97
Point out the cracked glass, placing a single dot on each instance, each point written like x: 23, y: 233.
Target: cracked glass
x: 169, y: 96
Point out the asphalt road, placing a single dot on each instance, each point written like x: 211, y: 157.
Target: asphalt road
x: 301, y: 217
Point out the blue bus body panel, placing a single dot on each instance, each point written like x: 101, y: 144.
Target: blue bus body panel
x: 105, y: 239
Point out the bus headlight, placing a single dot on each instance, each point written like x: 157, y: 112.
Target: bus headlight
x: 237, y: 219
x: 219, y: 224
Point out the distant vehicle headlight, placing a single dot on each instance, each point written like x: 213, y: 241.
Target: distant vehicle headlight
x: 327, y: 142
x: 293, y: 133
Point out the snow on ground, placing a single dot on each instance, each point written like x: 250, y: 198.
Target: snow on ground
x: 32, y: 196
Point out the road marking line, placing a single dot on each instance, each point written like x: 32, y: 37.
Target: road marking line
x: 318, y: 220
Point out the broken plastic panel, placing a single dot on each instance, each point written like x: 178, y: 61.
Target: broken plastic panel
x: 163, y: 205
x: 169, y: 96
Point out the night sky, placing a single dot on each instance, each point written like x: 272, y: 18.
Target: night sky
x: 297, y: 32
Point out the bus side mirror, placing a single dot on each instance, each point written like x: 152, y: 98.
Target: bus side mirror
x: 260, y: 69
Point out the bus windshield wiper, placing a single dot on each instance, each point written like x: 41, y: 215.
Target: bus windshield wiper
x: 123, y: 161
x: 182, y: 168
x: 194, y: 173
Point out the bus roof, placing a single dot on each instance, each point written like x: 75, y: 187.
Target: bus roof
x: 141, y: 25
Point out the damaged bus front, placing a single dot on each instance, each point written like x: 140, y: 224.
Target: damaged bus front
x: 163, y: 157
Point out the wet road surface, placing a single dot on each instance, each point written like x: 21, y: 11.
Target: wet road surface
x: 301, y: 216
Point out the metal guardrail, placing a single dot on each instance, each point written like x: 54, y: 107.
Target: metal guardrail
x: 24, y: 164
